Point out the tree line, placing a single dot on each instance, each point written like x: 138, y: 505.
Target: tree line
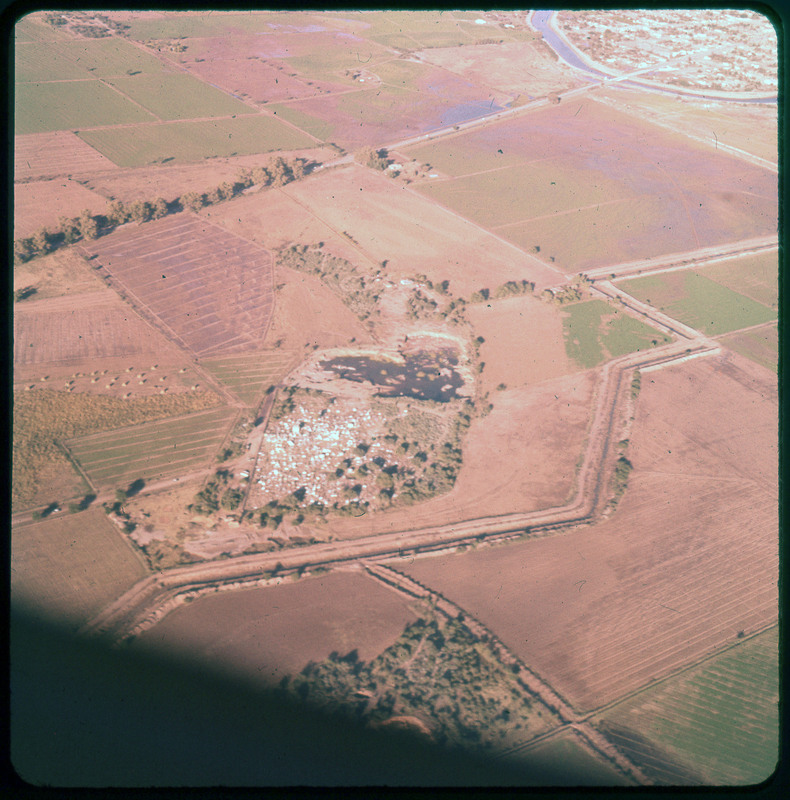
x: 69, y: 230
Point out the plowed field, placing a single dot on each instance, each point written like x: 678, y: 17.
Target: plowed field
x: 61, y: 153
x: 211, y: 290
x: 689, y: 559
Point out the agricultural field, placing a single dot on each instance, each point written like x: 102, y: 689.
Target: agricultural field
x: 520, y: 69
x: 584, y: 207
x: 42, y: 107
x: 39, y: 204
x: 111, y: 57
x: 212, y: 290
x: 71, y: 567
x: 699, y: 301
x: 761, y: 345
x: 413, y: 235
x: 153, y: 450
x: 756, y: 277
x: 63, y: 273
x: 718, y: 719
x: 660, y: 588
x: 248, y: 375
x: 580, y: 764
x: 178, y: 96
x: 596, y: 331
x: 40, y: 155
x: 272, y: 632
x: 194, y: 140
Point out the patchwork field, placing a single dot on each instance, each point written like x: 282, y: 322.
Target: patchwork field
x: 268, y: 633
x: 689, y: 559
x: 194, y: 140
x: 756, y: 277
x: 71, y: 567
x: 585, y: 173
x: 412, y: 235
x: 248, y: 375
x: 697, y: 300
x: 39, y: 204
x: 596, y: 331
x: 39, y: 155
x: 41, y: 107
x: 720, y: 719
x: 427, y: 99
x: 178, y: 96
x: 212, y: 290
x: 761, y: 345
x: 153, y: 450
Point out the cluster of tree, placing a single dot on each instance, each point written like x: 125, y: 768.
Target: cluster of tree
x: 207, y: 500
x: 565, y: 294
x: 636, y: 384
x: 24, y: 293
x: 278, y: 172
x: 434, y: 670
x: 622, y: 470
x: 370, y: 157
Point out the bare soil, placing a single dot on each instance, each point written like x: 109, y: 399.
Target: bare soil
x: 689, y: 559
x: 272, y: 632
x: 523, y: 342
x: 41, y: 203
x: 38, y: 155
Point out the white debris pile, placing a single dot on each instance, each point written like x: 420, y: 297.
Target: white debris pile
x: 303, y: 450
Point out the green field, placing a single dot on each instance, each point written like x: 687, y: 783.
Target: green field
x: 698, y: 301
x: 249, y: 375
x: 756, y: 277
x: 39, y: 61
x: 761, y: 345
x: 41, y: 107
x: 72, y: 566
x: 720, y: 719
x: 153, y: 450
x: 315, y: 126
x: 195, y: 140
x: 105, y: 58
x: 179, y: 96
x: 567, y: 753
x: 515, y: 193
x: 596, y: 331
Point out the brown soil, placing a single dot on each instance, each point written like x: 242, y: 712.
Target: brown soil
x: 521, y: 457
x: 37, y: 155
x: 688, y: 559
x: 41, y: 203
x: 514, y: 67
x: 413, y: 235
x: 63, y: 273
x: 523, y: 342
x: 308, y: 313
x: 272, y: 632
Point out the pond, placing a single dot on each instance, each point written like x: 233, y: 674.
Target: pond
x: 424, y: 375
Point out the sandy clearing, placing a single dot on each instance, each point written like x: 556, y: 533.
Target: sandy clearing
x: 523, y: 344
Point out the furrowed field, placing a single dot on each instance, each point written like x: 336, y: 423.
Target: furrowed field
x: 249, y: 375
x: 595, y: 332
x: 211, y: 290
x: 688, y: 560
x: 43, y: 417
x: 696, y: 300
x: 60, y: 153
x: 154, y: 450
x: 194, y: 140
x: 719, y: 720
x: 72, y: 566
